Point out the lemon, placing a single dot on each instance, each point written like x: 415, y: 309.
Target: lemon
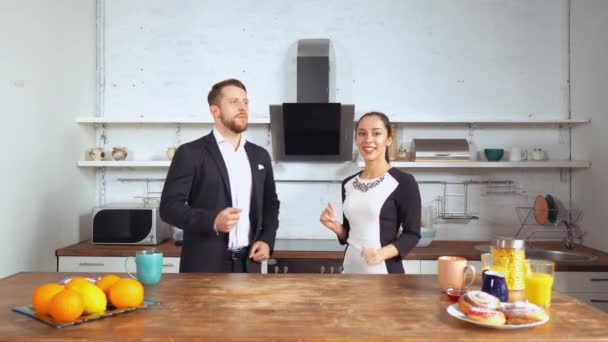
x: 94, y: 298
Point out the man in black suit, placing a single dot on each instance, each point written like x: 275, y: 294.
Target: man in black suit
x: 220, y: 190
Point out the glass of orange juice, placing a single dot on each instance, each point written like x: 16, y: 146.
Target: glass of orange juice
x: 487, y: 263
x: 539, y: 282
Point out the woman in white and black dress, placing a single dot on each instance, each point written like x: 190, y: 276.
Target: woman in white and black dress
x: 381, y: 205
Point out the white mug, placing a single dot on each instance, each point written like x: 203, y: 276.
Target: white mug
x: 517, y: 154
x: 537, y: 154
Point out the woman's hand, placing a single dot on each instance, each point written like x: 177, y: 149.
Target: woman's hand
x: 328, y: 219
x: 377, y: 255
x: 372, y: 255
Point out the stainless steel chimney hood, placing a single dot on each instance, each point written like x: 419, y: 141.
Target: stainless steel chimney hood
x: 313, y: 71
x: 313, y: 128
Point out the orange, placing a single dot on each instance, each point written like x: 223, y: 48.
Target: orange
x: 126, y: 293
x: 77, y: 281
x: 106, y: 282
x: 42, y: 297
x: 66, y: 305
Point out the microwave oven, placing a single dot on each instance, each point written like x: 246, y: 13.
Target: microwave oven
x: 129, y: 226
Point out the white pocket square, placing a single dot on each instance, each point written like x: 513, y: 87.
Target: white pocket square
x: 260, y: 167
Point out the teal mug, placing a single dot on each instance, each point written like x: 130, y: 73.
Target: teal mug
x: 149, y: 266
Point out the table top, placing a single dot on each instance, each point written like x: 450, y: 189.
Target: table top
x: 291, y: 307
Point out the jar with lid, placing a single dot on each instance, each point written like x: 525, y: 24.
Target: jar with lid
x: 393, y: 149
x: 511, y: 254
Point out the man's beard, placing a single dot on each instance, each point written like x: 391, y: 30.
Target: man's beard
x: 234, y: 126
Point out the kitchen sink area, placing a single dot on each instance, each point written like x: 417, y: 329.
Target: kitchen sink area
x: 561, y: 256
x: 537, y: 252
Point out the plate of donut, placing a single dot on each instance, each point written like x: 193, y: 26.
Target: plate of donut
x: 485, y: 310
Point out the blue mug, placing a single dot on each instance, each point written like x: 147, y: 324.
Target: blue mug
x: 494, y: 283
x: 149, y: 266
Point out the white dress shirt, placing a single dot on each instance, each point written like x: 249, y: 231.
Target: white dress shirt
x: 239, y: 174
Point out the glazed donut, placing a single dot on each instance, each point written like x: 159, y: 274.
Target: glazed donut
x: 487, y: 316
x: 523, y: 313
x: 478, y: 299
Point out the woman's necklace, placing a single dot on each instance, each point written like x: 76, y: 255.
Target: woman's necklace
x: 363, y: 187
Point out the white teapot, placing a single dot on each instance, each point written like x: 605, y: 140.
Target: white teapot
x: 97, y: 154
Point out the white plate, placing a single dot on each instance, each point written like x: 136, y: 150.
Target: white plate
x: 455, y: 312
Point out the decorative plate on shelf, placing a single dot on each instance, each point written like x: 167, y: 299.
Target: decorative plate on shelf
x: 455, y: 312
x: 541, y: 210
x: 28, y: 310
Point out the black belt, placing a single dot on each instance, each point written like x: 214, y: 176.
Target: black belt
x: 237, y: 253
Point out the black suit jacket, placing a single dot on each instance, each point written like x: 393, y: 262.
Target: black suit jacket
x: 197, y: 188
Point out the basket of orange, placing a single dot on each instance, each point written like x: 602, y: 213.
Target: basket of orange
x: 82, y: 299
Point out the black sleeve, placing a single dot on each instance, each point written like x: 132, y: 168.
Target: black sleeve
x: 270, y: 210
x: 408, y: 207
x: 345, y: 222
x: 174, y: 207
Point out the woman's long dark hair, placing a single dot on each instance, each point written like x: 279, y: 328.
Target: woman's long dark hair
x: 385, y: 121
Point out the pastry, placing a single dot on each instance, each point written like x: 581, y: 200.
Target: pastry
x: 487, y: 316
x: 478, y: 299
x: 524, y: 313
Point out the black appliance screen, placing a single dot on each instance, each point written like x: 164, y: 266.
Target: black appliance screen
x: 311, y: 128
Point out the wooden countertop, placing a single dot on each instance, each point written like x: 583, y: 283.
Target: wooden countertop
x: 304, y: 307
x: 331, y: 249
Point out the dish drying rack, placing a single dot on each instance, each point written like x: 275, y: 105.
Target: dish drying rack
x: 564, y: 228
x: 149, y: 198
x: 443, y: 208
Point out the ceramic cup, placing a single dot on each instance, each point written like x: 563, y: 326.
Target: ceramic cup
x: 517, y: 154
x: 149, y: 266
x: 452, y: 272
x: 97, y: 154
x: 119, y: 153
x: 537, y: 154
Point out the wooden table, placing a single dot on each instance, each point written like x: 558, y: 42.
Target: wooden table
x: 306, y: 307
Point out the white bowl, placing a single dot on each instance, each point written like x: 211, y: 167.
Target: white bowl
x: 427, y: 235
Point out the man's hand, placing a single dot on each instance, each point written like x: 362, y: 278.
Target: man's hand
x: 260, y: 251
x: 226, y: 220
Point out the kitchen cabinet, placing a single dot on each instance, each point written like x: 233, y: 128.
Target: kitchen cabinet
x: 589, y: 287
x: 304, y: 265
x: 107, y: 264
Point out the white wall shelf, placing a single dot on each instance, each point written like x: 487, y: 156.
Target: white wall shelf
x: 577, y: 164
x: 158, y: 120
x: 491, y: 165
x: 569, y: 122
x: 253, y: 120
x: 124, y: 163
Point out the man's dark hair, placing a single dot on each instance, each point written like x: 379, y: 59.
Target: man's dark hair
x: 216, y: 90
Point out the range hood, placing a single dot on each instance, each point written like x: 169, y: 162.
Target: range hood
x: 312, y: 129
x: 313, y: 71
